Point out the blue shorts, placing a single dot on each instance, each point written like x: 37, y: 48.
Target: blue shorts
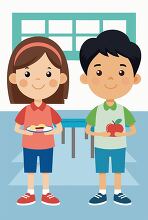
x: 117, y: 158
x: 30, y: 160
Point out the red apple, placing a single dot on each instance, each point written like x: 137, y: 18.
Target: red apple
x: 114, y: 127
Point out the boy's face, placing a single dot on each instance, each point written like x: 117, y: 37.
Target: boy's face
x: 110, y: 77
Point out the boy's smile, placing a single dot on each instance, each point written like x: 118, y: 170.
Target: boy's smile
x: 110, y: 77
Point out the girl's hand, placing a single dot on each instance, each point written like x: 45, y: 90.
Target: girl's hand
x: 27, y: 133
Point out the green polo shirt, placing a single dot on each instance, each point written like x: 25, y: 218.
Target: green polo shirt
x: 129, y: 118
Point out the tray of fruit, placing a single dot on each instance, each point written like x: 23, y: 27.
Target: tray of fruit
x: 41, y: 128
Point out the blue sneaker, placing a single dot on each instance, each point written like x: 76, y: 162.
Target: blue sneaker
x: 122, y: 199
x: 98, y: 199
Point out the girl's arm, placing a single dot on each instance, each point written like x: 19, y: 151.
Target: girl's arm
x: 131, y: 132
x: 21, y: 131
x: 57, y: 130
x: 92, y: 133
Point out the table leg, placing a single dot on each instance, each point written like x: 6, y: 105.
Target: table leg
x: 92, y: 147
x: 86, y: 136
x: 73, y: 143
x: 63, y: 136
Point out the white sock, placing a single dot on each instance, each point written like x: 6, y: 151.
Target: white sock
x: 31, y: 191
x: 102, y: 191
x: 45, y: 191
x: 117, y: 191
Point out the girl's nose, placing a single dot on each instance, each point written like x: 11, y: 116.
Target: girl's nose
x: 37, y: 78
x: 110, y: 78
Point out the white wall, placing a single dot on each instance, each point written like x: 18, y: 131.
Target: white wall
x: 80, y: 96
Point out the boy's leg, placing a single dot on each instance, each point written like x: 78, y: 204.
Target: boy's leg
x: 118, y: 167
x: 102, y: 167
x: 117, y: 183
x: 102, y: 185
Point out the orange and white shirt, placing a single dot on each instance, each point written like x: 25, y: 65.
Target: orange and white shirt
x: 33, y: 115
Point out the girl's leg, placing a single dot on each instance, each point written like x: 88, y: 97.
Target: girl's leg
x: 45, y: 182
x: 31, y: 183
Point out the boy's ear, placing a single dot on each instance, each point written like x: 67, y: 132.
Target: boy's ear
x: 83, y: 78
x: 12, y: 78
x: 137, y: 79
x: 63, y: 78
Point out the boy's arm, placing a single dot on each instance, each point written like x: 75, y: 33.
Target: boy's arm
x: 91, y: 121
x: 131, y: 132
x: 129, y: 122
x: 92, y: 133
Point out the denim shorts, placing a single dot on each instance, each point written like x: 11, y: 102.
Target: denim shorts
x: 117, y: 159
x: 45, y: 158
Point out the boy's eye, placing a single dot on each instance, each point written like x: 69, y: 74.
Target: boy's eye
x: 121, y: 72
x: 48, y: 74
x: 27, y: 74
x: 99, y: 72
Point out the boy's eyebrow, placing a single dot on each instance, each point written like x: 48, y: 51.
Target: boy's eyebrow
x: 98, y: 64
x: 122, y: 64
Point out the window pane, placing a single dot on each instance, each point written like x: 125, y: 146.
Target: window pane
x: 64, y: 42
x: 33, y: 26
x: 60, y: 26
x: 115, y: 24
x: 87, y: 26
x: 80, y: 41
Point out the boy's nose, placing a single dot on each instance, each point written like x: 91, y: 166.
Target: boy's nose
x: 110, y: 78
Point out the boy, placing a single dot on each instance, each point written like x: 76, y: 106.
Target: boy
x: 110, y: 63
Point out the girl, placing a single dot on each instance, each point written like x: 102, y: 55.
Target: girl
x: 38, y: 71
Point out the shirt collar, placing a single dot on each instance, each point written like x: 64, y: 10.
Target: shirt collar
x: 41, y: 107
x: 113, y: 107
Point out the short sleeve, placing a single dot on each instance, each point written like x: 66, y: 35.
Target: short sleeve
x: 20, y: 117
x: 129, y: 118
x: 91, y: 118
x: 55, y: 117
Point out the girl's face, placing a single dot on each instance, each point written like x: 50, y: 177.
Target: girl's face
x: 39, y: 80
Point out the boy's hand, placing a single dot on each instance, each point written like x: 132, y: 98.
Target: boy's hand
x: 104, y: 134
x: 120, y: 134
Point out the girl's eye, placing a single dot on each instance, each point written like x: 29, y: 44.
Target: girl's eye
x: 27, y: 74
x: 48, y: 74
x: 99, y: 72
x: 121, y: 72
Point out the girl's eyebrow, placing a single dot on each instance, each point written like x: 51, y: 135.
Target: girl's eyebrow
x: 122, y: 64
x: 98, y: 64
x: 26, y: 67
x: 48, y: 67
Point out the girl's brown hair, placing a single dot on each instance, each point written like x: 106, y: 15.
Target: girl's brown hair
x: 30, y: 56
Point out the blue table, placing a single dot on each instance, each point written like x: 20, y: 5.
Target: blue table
x: 73, y: 124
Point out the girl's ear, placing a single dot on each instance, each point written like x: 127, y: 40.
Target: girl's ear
x: 137, y: 79
x: 63, y: 78
x: 12, y: 78
x: 83, y: 78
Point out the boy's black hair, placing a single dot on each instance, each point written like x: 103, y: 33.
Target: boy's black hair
x: 112, y: 42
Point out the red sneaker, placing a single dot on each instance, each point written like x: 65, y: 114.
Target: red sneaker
x: 26, y: 199
x: 49, y: 199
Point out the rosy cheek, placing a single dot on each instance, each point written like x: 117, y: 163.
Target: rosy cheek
x: 23, y: 83
x: 95, y: 81
x: 53, y: 83
x: 125, y: 81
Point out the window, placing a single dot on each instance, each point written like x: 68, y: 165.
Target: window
x: 70, y: 30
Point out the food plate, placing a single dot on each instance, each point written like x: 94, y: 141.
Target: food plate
x: 39, y: 129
